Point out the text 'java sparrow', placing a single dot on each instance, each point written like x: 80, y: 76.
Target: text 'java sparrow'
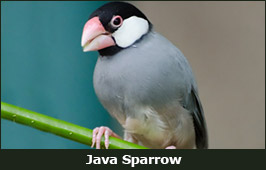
x: 143, y: 80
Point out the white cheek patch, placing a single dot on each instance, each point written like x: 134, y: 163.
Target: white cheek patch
x: 130, y: 31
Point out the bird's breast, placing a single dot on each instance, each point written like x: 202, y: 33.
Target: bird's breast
x: 142, y: 86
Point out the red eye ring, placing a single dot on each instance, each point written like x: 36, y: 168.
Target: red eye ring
x: 116, y: 21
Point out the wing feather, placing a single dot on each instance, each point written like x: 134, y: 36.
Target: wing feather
x: 199, y: 120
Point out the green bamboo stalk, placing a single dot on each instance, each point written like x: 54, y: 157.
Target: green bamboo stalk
x: 59, y: 127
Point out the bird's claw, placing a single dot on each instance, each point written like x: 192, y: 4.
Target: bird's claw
x: 97, y: 134
x: 170, y: 147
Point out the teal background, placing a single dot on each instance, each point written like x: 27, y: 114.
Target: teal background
x: 44, y: 69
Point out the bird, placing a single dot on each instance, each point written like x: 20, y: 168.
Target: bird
x: 143, y: 80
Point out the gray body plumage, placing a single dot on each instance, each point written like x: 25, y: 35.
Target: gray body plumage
x: 150, y: 89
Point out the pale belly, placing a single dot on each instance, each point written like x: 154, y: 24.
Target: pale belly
x: 156, y: 130
x: 147, y: 128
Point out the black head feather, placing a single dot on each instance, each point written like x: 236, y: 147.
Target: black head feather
x: 123, y: 9
x: 106, y: 13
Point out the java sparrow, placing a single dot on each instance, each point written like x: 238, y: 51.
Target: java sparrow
x: 143, y: 81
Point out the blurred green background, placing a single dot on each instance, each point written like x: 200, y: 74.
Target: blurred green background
x: 44, y: 69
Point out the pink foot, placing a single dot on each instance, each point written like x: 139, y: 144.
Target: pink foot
x: 170, y: 147
x: 98, y: 133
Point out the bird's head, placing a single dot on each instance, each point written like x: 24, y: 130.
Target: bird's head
x: 113, y: 27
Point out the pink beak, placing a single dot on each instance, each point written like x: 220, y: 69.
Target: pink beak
x: 95, y: 37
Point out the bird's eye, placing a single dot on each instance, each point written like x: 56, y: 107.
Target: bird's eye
x: 116, y: 21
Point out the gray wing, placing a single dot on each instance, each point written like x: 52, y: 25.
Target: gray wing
x: 200, y: 127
